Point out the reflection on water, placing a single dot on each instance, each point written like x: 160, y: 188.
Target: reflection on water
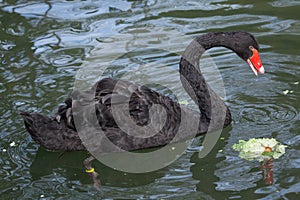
x: 45, y: 44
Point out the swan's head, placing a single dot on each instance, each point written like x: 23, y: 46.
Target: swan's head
x: 246, y: 47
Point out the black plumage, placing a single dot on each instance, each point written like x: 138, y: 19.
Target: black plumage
x: 61, y: 131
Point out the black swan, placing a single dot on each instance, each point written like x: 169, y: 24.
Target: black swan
x: 60, y: 133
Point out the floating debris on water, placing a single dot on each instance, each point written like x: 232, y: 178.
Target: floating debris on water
x: 13, y: 144
x: 259, y: 149
x: 285, y: 92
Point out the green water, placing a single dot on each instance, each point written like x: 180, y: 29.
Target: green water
x: 47, y: 45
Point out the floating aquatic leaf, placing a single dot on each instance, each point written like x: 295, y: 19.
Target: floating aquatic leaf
x: 259, y: 149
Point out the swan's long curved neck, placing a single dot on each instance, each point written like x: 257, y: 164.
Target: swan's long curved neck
x: 208, y: 101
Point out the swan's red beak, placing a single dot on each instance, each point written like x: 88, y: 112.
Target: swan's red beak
x: 255, y: 63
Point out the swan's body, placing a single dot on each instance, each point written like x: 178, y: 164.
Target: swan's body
x: 59, y: 132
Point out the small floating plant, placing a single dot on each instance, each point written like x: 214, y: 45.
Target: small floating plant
x: 259, y: 149
x: 264, y: 150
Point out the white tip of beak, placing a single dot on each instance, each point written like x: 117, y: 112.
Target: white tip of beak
x: 262, y: 70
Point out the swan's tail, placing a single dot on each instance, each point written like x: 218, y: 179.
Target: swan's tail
x: 50, y: 133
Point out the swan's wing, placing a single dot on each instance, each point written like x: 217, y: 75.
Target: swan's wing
x: 138, y: 99
x: 105, y: 94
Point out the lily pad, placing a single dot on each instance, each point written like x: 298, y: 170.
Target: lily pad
x: 259, y: 149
